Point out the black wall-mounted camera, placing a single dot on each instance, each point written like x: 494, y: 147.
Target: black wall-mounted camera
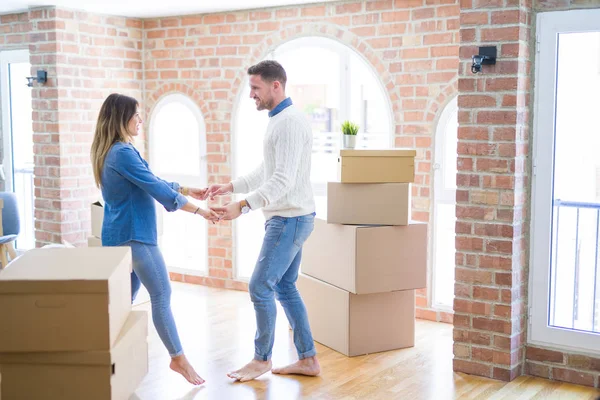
x: 41, y: 77
x: 486, y: 56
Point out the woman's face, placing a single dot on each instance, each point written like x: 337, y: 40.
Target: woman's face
x: 135, y: 124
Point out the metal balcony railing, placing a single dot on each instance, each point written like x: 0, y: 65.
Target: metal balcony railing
x: 576, y: 230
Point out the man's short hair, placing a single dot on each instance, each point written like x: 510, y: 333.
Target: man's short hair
x: 269, y: 71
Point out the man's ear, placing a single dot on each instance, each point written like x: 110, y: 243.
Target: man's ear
x: 276, y: 84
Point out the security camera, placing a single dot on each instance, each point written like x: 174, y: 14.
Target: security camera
x: 485, y: 56
x: 477, y: 63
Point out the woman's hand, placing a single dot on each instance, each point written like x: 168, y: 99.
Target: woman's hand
x: 198, y: 194
x: 210, y: 215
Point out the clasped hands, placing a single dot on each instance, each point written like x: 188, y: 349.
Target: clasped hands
x: 227, y: 212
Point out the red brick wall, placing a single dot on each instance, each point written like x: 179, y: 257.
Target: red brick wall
x: 412, y: 45
x: 562, y: 366
x: 87, y: 57
x: 492, y: 196
x: 554, y: 5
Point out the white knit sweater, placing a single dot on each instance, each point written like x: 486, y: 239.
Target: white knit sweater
x: 281, y: 184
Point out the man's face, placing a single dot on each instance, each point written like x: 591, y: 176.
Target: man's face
x: 262, y: 92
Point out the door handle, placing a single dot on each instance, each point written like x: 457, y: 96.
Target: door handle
x: 2, y: 175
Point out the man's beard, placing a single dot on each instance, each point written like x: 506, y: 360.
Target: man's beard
x: 264, y: 105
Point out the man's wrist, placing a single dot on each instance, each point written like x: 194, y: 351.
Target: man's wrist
x: 184, y: 190
x: 244, y: 206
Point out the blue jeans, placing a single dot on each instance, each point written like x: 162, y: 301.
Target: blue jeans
x: 150, y: 270
x: 275, y: 274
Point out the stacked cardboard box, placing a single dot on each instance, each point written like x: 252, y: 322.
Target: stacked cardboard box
x: 360, y: 268
x: 68, y: 331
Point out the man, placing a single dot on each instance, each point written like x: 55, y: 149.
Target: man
x: 282, y: 188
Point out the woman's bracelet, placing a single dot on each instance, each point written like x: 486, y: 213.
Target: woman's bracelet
x: 197, y: 209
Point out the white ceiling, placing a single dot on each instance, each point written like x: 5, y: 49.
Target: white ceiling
x: 150, y: 8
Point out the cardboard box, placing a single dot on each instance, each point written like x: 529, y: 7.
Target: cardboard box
x: 98, y: 216
x: 94, y: 241
x: 143, y: 296
x: 65, y: 299
x: 98, y: 375
x: 367, y: 259
x: 358, y: 324
x: 377, y: 166
x: 368, y: 203
x: 1, y: 208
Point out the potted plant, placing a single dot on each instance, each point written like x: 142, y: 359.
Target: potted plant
x: 349, y: 131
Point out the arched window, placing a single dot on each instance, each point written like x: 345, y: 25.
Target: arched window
x: 178, y: 154
x: 331, y: 83
x: 444, y: 207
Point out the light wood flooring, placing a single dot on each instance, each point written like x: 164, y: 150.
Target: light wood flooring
x: 217, y: 331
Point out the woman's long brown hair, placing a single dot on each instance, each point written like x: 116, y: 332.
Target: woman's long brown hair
x: 111, y: 127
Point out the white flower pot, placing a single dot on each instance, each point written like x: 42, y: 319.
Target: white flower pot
x: 349, y: 141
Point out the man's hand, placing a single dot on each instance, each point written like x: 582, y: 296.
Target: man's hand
x: 218, y: 190
x: 198, y: 194
x: 210, y: 215
x: 229, y: 211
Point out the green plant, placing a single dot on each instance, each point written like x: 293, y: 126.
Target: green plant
x: 349, y: 128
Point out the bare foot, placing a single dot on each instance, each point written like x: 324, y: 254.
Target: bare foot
x: 250, y: 371
x: 308, y: 366
x: 181, y: 365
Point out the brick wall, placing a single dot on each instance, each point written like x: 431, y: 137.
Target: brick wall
x: 87, y: 57
x: 492, y: 196
x: 554, y: 5
x: 412, y: 45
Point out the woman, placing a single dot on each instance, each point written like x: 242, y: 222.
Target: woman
x: 129, y: 189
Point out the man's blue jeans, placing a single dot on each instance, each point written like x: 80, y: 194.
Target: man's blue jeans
x: 275, y: 274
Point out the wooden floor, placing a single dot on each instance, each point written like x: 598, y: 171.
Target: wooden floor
x: 217, y: 331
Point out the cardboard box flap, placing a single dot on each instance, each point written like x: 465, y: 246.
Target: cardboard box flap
x: 135, y: 327
x: 63, y: 270
x: 379, y: 153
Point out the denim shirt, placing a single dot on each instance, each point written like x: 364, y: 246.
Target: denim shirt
x: 285, y: 103
x: 129, y: 189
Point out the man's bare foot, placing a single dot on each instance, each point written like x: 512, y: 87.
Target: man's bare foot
x: 308, y: 366
x: 250, y: 371
x: 180, y: 364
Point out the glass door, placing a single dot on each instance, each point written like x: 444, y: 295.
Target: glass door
x: 17, y: 139
x: 565, y: 278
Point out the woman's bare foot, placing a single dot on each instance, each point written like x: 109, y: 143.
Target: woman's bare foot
x: 252, y: 370
x: 308, y: 366
x: 181, y: 365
